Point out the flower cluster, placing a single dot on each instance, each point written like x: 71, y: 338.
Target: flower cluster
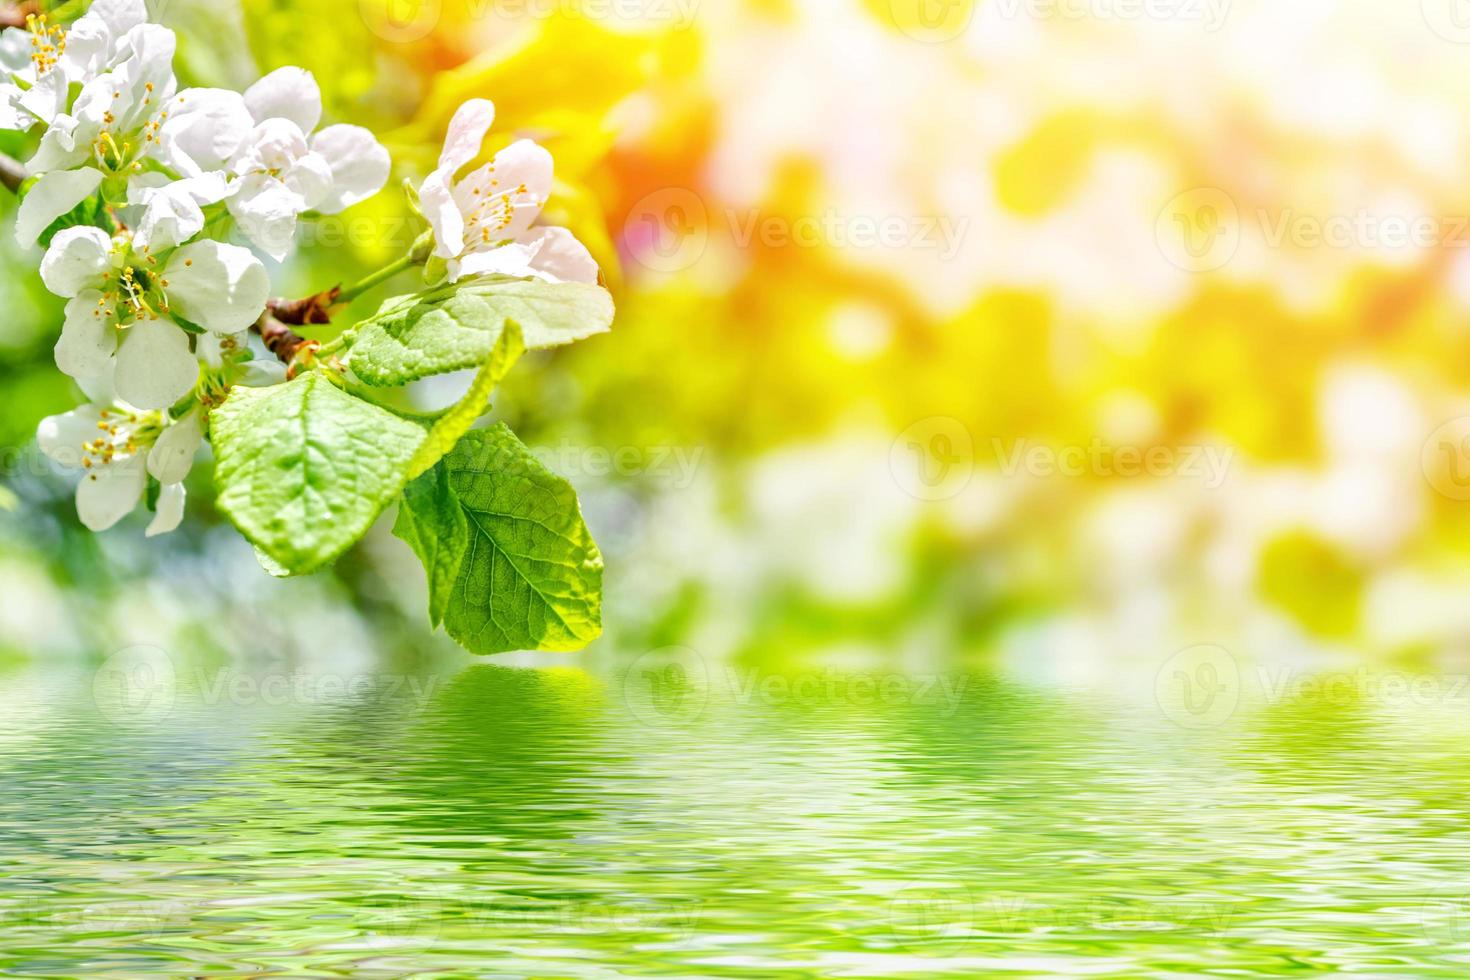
x: 135, y: 185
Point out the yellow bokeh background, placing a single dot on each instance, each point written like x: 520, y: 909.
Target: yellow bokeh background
x: 957, y: 304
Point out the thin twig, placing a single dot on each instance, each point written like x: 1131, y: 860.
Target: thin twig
x: 280, y: 339
x: 12, y: 172
x: 316, y: 309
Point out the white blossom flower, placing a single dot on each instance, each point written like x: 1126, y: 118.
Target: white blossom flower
x: 484, y: 223
x: 123, y: 299
x: 43, y: 61
x: 110, y: 130
x: 113, y: 125
x: 172, y: 210
x: 34, y: 89
x: 117, y: 447
x: 277, y: 170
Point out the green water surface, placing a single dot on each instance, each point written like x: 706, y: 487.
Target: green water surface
x: 672, y: 818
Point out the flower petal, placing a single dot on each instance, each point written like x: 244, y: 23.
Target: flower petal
x: 170, y: 510
x: 443, y: 214
x: 359, y: 163
x: 88, y: 338
x: 263, y: 374
x: 11, y: 117
x: 15, y: 51
x: 47, y: 98
x: 58, y: 149
x: 286, y: 93
x: 99, y: 388
x: 273, y: 145
x: 266, y: 211
x: 173, y: 213
x: 52, y: 196
x: 466, y: 132
x: 221, y: 287
x: 559, y: 257
x: 205, y: 128
x: 309, y: 178
x: 77, y: 258
x: 109, y: 492
x: 92, y: 38
x: 119, y: 16
x: 144, y: 79
x: 154, y: 365
x: 507, y: 260
x: 61, y: 436
x: 172, y: 456
x: 505, y: 197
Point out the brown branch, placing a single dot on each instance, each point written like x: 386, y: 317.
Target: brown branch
x: 310, y: 310
x: 274, y: 325
x: 282, y: 341
x: 12, y: 172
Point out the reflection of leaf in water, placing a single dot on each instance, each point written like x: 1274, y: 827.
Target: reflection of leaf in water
x: 497, y: 752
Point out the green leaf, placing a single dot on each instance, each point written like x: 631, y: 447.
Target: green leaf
x: 456, y: 326
x: 270, y: 566
x: 89, y: 212
x: 303, y: 469
x: 526, y: 572
x: 448, y: 428
x: 433, y: 523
